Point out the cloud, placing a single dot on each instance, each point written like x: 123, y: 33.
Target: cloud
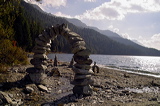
x: 54, y: 3
x: 62, y: 15
x: 153, y: 42
x: 45, y: 4
x: 117, y: 9
x: 89, y: 0
x: 116, y: 30
x: 126, y: 35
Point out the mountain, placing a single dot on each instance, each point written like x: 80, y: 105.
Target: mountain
x: 95, y: 40
x: 114, y: 36
x: 77, y: 22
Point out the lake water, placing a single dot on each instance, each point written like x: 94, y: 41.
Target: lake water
x: 149, y: 65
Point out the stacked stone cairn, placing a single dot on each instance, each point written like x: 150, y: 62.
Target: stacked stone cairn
x: 82, y: 67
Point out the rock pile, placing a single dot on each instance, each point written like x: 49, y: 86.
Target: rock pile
x: 82, y: 68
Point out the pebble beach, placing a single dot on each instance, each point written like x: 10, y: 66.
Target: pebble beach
x: 110, y: 88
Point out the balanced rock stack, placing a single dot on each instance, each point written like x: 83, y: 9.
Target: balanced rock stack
x: 82, y: 68
x: 37, y: 74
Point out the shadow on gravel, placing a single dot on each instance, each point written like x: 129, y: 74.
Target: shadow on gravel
x: 64, y: 100
x: 19, y: 84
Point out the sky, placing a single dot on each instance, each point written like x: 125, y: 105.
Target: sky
x: 132, y: 19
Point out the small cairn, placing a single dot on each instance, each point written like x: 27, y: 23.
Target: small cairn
x: 71, y: 63
x: 82, y: 67
x: 55, y: 61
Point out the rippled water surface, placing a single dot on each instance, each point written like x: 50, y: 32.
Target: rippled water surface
x: 130, y: 63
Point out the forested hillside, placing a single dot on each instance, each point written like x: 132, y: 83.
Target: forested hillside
x: 96, y: 42
x: 10, y: 52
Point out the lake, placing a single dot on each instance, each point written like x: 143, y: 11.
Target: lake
x: 149, y: 65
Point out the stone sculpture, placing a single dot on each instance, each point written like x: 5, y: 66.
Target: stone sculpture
x: 82, y: 67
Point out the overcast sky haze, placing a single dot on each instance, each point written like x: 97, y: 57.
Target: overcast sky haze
x: 133, y: 19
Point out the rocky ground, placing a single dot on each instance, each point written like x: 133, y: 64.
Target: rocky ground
x: 111, y: 88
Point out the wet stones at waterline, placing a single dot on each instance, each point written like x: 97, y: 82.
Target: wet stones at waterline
x: 82, y: 68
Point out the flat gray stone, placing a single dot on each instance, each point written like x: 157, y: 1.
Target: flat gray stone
x: 43, y: 88
x: 39, y: 47
x: 52, y: 33
x: 43, y: 38
x: 45, y: 33
x: 80, y: 66
x: 82, y: 90
x: 82, y: 71
x: 78, y: 48
x: 82, y: 76
x: 82, y: 82
x: 4, y: 96
x: 29, y: 89
x: 40, y: 42
x: 85, y: 52
x: 39, y: 51
x: 33, y: 70
x: 72, y: 34
x: 72, y: 40
x: 38, y: 61
x: 87, y: 90
x: 64, y: 29
x: 41, y: 56
x: 48, y: 49
x: 79, y: 43
x: 41, y: 66
x: 56, y: 30
x: 80, y: 60
x: 48, y: 45
x: 37, y: 77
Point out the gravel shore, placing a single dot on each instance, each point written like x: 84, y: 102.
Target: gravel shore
x: 111, y: 88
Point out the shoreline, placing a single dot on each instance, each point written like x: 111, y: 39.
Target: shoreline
x: 140, y: 72
x: 111, y: 87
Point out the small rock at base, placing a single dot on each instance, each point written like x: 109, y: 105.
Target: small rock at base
x: 82, y: 90
x: 29, y: 89
x: 43, y: 88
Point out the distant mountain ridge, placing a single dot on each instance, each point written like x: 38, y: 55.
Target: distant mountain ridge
x: 83, y: 25
x: 110, y: 34
x: 96, y: 41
